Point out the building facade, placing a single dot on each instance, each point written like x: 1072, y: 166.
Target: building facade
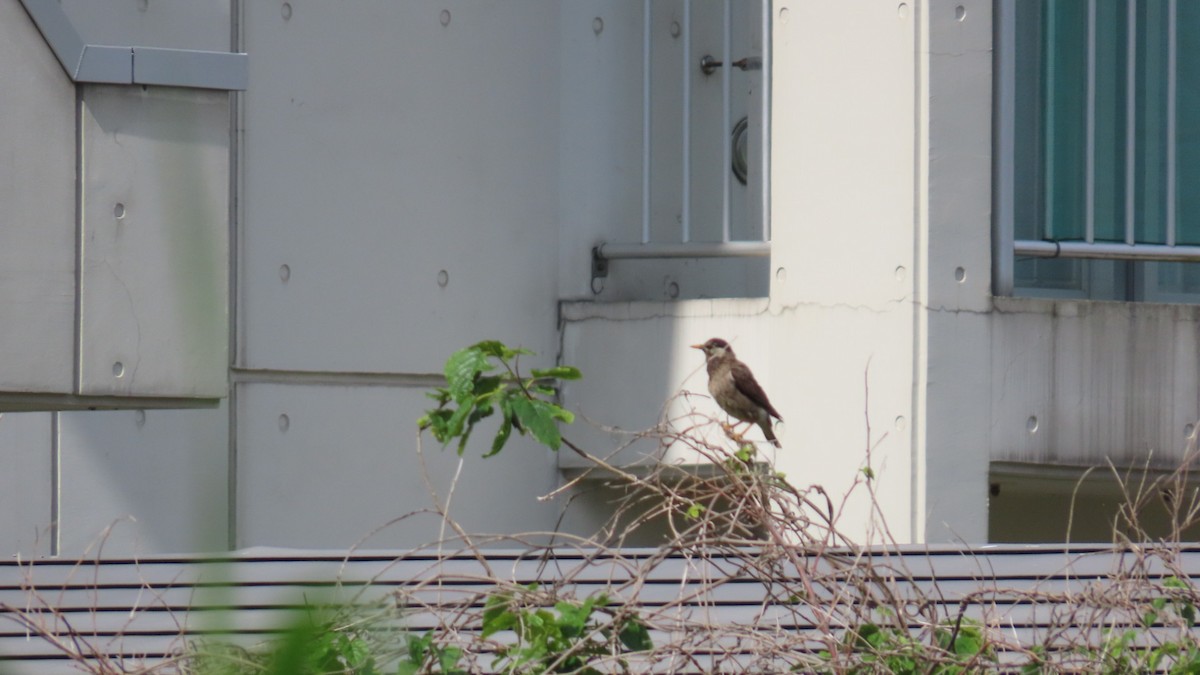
x: 255, y: 283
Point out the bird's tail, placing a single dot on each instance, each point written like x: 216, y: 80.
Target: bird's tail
x: 766, y: 429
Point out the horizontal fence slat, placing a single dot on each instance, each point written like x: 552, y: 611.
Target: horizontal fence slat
x: 147, y: 607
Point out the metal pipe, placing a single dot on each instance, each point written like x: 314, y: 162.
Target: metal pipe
x: 765, y: 150
x: 696, y: 249
x: 726, y: 117
x: 1004, y: 104
x: 686, y: 213
x: 646, y: 14
x: 1105, y: 251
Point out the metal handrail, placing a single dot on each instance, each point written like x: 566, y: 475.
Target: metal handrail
x: 1106, y: 251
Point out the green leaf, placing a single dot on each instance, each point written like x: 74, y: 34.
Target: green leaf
x: 695, y: 510
x: 461, y: 369
x: 635, y: 636
x: 560, y: 372
x: 440, y: 394
x: 496, y: 614
x: 538, y: 417
x: 499, y: 350
x: 449, y: 658
x: 501, y: 436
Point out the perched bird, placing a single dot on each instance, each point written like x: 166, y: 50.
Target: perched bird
x: 734, y: 388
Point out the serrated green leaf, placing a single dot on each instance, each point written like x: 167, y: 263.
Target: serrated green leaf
x: 486, y: 386
x: 461, y: 369
x: 559, y: 372
x: 538, y: 418
x: 502, y: 436
x: 499, y: 350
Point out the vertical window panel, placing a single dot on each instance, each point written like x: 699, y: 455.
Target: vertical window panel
x: 1151, y: 123
x: 1064, y: 90
x: 1187, y: 126
x: 1112, y: 35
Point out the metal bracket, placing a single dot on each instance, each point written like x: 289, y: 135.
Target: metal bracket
x: 709, y: 65
x: 599, y: 269
x: 599, y: 262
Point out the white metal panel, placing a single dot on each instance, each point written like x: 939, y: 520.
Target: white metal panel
x: 159, y: 478
x: 25, y: 484
x: 154, y: 278
x: 324, y: 466
x: 400, y: 161
x: 175, y: 24
x: 601, y: 146
x: 37, y: 221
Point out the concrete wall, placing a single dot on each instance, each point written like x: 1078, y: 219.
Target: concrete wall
x: 833, y: 342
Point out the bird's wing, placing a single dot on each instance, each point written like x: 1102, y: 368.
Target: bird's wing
x: 744, y: 380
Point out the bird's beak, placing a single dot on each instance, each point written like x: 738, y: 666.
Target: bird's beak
x: 700, y: 347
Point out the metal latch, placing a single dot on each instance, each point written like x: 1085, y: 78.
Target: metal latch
x: 709, y: 65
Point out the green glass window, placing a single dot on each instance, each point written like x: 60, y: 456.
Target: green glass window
x: 1105, y: 135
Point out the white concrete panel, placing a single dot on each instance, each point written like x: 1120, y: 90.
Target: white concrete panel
x: 958, y: 127
x: 958, y: 427
x: 25, y: 484
x: 155, y: 242
x: 388, y: 143
x: 824, y: 370
x: 843, y: 152
x: 1106, y: 381
x: 324, y: 466
x: 37, y: 221
x: 954, y: 291
x: 174, y: 24
x: 158, y: 478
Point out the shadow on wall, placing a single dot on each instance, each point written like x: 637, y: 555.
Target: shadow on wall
x: 1070, y: 506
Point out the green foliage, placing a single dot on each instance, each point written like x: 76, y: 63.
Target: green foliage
x: 484, y: 378
x: 1129, y: 650
x: 957, y: 647
x: 426, y: 656
x: 564, y: 640
x: 313, y: 645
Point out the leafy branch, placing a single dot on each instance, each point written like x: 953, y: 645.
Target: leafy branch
x: 485, y: 378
